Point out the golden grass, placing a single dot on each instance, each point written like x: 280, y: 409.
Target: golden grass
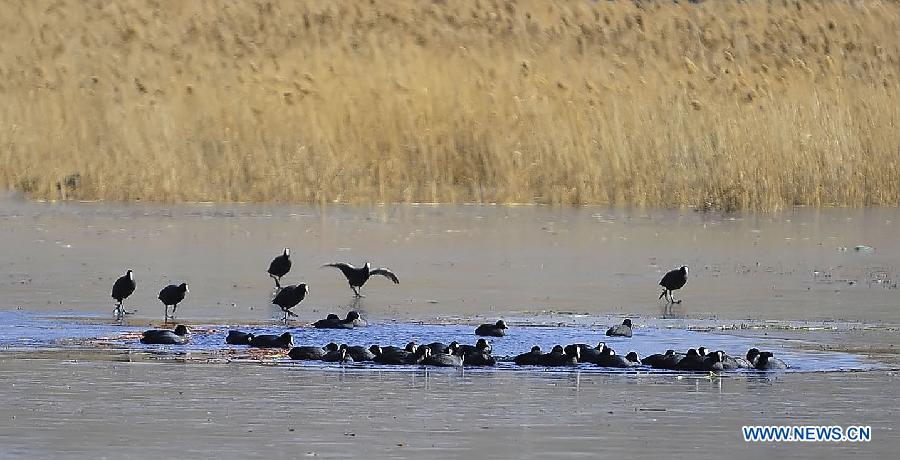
x: 726, y: 105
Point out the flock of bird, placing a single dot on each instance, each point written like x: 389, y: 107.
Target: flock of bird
x: 455, y: 354
x: 286, y: 298
x: 439, y: 354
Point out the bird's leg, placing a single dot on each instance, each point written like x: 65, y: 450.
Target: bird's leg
x: 663, y: 294
x: 166, y: 314
x: 277, y: 281
x: 356, y: 292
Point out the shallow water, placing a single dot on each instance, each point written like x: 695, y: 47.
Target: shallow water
x: 77, y: 384
x: 31, y: 331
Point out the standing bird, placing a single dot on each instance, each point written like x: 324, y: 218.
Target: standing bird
x: 172, y: 295
x: 280, y: 266
x: 289, y: 297
x: 122, y: 288
x: 357, y: 277
x: 673, y: 281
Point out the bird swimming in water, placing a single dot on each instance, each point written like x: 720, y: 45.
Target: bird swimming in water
x: 609, y: 358
x: 673, y: 281
x: 395, y: 356
x: 358, y: 353
x: 694, y: 362
x: 172, y: 295
x: 766, y: 361
x: 532, y: 358
x: 335, y: 322
x: 338, y: 356
x: 481, y: 346
x: 586, y: 353
x: 280, y: 266
x: 311, y: 353
x: 238, y: 338
x: 660, y: 360
x: 288, y: 297
x: 331, y: 321
x: 285, y: 340
x: 440, y: 359
x: 492, y: 330
x: 728, y: 362
x: 357, y: 277
x: 122, y: 288
x: 559, y: 357
x: 180, y: 336
x: 622, y: 330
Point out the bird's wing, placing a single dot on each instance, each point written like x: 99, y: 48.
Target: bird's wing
x: 385, y: 273
x: 346, y: 268
x: 282, y: 295
x: 119, y: 285
x: 668, y: 278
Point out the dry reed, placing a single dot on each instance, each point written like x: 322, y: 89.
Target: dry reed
x: 719, y: 105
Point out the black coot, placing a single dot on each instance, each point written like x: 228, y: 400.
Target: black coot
x: 357, y: 277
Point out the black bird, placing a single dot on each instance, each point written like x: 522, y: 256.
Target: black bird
x: 673, y: 281
x: 609, y: 358
x: 478, y: 358
x: 238, y: 338
x: 586, y: 354
x: 694, y: 362
x: 765, y: 361
x: 559, y: 357
x: 122, y: 288
x: 335, y: 322
x: 752, y: 355
x: 728, y: 362
x: 338, y: 356
x: 357, y: 277
x: 440, y: 359
x: 280, y: 266
x: 438, y: 348
x: 622, y: 330
x: 358, y: 353
x: 172, y: 295
x: 395, y: 357
x: 666, y: 360
x: 308, y: 353
x: 179, y: 336
x: 285, y: 340
x: 331, y: 321
x: 532, y: 358
x: 481, y: 346
x: 492, y: 330
x: 633, y: 358
x: 289, y: 296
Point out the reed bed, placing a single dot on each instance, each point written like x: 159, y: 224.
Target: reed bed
x: 718, y: 105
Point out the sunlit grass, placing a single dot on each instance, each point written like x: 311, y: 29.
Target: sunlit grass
x: 721, y: 105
